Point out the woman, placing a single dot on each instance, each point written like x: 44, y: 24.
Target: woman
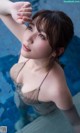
x: 38, y: 75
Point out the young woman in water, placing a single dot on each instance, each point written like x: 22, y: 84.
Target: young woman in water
x: 38, y: 74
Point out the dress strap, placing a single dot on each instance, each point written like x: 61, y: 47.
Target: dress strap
x: 22, y: 67
x: 43, y: 80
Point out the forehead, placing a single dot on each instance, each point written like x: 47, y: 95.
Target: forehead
x: 40, y: 24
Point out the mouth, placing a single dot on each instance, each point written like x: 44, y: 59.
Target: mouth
x: 25, y: 48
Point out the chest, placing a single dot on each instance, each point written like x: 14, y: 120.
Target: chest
x: 31, y: 81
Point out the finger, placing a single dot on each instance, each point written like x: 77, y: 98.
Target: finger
x: 20, y: 21
x: 28, y: 14
x: 19, y: 17
x: 27, y: 4
x: 25, y: 10
x: 27, y: 19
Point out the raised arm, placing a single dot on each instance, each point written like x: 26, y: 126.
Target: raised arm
x: 14, y: 15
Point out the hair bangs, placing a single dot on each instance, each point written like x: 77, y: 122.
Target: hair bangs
x: 44, y: 22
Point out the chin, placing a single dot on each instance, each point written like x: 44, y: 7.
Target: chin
x: 24, y: 54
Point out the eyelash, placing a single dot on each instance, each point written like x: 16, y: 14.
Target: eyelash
x: 41, y: 35
x: 29, y: 27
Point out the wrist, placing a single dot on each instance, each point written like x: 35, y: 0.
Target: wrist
x: 5, y: 7
x: 9, y: 5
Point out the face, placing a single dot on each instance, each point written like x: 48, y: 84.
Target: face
x: 35, y: 43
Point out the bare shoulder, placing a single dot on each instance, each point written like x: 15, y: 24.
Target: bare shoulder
x: 17, y: 67
x: 59, y: 92
x: 57, y: 76
x: 15, y: 70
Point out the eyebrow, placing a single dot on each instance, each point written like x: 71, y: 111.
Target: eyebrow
x: 41, y: 30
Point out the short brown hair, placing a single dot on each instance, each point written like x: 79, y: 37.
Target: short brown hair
x: 58, y: 27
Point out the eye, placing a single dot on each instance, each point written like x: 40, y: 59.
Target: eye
x: 29, y: 27
x: 42, y: 36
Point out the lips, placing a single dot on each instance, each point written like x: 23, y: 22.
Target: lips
x: 26, y: 48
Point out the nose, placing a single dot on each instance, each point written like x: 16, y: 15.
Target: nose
x: 32, y: 37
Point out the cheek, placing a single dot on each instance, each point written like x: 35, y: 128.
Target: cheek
x: 43, y: 48
x: 26, y: 35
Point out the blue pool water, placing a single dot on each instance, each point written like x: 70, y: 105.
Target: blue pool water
x: 9, y: 54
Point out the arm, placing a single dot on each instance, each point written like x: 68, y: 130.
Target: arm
x: 15, y: 28
x: 4, y: 7
x: 14, y: 21
x: 73, y: 117
x: 64, y: 102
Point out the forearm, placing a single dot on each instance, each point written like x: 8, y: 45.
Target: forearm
x: 74, y: 118
x: 5, y: 7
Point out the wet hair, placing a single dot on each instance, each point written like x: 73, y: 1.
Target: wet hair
x: 58, y: 27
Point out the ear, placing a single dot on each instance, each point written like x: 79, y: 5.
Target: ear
x: 54, y: 54
x: 58, y: 52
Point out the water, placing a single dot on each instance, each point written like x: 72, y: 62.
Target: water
x: 9, y: 54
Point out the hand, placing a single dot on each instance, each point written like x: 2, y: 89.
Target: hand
x: 21, y: 12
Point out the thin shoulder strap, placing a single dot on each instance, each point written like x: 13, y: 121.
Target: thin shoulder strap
x: 44, y: 79
x: 22, y: 67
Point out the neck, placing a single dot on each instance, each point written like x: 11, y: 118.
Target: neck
x: 39, y: 64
